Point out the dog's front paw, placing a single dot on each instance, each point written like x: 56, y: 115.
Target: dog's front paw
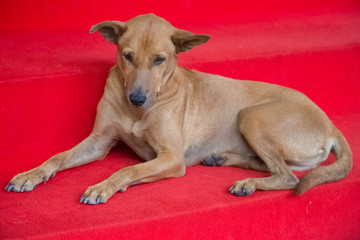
x: 27, y: 181
x: 243, y: 188
x: 98, y: 193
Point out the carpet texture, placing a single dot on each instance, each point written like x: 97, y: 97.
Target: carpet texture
x: 52, y: 75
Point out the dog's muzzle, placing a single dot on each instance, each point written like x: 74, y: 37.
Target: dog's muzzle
x: 137, y: 98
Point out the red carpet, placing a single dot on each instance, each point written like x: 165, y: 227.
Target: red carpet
x: 52, y: 76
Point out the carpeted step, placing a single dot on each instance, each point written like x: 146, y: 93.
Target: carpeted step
x: 196, y: 206
x: 51, y: 81
x: 23, y: 15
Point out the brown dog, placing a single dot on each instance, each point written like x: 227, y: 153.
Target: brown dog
x: 173, y: 117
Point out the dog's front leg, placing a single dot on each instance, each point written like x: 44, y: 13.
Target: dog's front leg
x: 92, y: 148
x: 168, y: 163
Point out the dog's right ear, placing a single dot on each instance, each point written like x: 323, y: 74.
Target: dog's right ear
x: 110, y: 30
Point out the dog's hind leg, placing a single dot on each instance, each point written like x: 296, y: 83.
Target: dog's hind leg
x: 262, y: 127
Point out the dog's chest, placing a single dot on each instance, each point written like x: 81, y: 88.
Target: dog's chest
x: 137, y: 129
x: 136, y: 141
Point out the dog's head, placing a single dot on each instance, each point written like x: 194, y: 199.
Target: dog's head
x: 147, y: 49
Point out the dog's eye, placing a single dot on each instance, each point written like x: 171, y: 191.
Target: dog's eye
x: 128, y: 57
x: 159, y: 60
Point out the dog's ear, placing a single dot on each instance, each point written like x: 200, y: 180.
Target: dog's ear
x: 110, y: 30
x: 184, y: 40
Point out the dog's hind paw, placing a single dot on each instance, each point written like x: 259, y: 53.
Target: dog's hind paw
x: 213, y: 160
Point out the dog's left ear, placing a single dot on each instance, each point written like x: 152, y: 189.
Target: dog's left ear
x: 110, y: 30
x: 184, y: 40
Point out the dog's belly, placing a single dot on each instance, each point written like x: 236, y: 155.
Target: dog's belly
x: 196, y: 152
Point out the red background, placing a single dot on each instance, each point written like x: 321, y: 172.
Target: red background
x: 52, y: 76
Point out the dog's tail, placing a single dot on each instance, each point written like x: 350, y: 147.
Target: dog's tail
x: 334, y: 172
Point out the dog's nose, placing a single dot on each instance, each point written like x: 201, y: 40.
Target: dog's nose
x: 138, y: 99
